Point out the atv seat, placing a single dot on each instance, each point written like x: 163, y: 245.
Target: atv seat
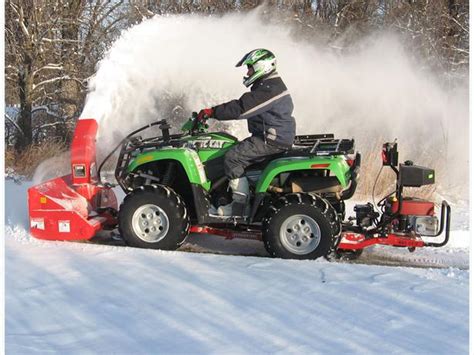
x: 267, y: 160
x: 215, y: 168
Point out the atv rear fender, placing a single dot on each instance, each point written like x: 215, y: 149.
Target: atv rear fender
x: 337, y: 166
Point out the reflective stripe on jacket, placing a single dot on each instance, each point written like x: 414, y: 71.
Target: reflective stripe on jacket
x: 267, y: 108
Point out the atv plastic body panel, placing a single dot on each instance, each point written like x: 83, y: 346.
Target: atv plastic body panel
x: 211, y: 146
x: 336, y: 165
x: 206, y: 147
x: 188, y: 158
x: 195, y: 151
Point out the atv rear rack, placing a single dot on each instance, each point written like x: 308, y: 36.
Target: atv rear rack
x: 323, y: 144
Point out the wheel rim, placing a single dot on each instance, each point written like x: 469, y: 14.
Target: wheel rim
x: 150, y: 223
x: 300, y: 234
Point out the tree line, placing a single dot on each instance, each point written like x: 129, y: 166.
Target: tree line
x: 52, y: 46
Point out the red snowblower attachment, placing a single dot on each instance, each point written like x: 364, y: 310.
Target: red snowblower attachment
x: 75, y: 206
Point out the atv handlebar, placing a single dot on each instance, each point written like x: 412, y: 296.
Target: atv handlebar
x: 195, y: 125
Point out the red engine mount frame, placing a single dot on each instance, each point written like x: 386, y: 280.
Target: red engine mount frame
x: 351, y: 240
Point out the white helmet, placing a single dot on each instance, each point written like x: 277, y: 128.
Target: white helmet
x: 261, y: 62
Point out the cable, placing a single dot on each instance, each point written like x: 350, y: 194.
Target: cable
x: 373, y: 189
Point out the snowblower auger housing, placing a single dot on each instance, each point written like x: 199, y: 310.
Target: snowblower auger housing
x: 296, y: 206
x: 75, y: 206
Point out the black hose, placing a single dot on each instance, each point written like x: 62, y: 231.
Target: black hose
x: 373, y: 189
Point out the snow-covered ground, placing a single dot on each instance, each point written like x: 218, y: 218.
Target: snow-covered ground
x: 89, y: 298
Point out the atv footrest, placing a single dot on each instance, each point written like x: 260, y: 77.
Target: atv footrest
x: 228, y: 233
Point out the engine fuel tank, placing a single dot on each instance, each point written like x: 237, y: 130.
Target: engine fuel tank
x: 416, y: 207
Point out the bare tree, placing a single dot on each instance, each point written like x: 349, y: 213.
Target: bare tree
x: 52, y: 47
x: 439, y: 29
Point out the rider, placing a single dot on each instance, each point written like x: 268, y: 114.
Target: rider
x: 267, y: 108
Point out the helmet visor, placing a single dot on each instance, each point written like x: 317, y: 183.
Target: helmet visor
x: 250, y: 71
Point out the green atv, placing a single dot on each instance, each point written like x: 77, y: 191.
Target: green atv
x: 172, y: 180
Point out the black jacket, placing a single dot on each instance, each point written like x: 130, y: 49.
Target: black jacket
x: 267, y: 107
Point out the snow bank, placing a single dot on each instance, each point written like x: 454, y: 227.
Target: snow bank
x: 76, y: 298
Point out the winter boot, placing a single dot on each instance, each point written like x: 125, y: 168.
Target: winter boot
x: 212, y: 211
x: 240, y: 197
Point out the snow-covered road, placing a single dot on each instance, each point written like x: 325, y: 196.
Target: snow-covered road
x: 88, y: 298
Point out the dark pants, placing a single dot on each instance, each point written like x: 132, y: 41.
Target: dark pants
x: 250, y: 151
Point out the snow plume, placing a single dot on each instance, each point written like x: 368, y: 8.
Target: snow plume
x: 51, y: 168
x: 373, y: 92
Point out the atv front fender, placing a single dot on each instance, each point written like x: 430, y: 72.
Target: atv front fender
x: 188, y: 159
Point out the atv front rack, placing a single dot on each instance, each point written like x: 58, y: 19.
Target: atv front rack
x: 323, y: 144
